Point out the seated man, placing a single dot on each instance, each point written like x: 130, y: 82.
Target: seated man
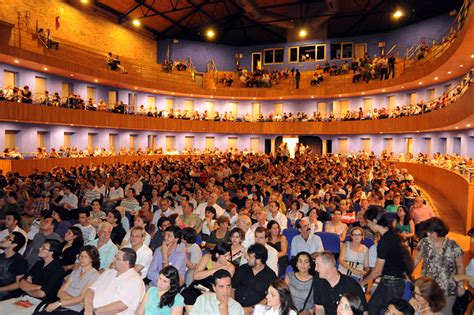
x: 46, y: 232
x: 221, y: 301
x: 306, y: 241
x: 118, y: 290
x: 144, y: 253
x: 11, y: 223
x: 168, y: 254
x: 107, y: 249
x: 12, y: 264
x: 331, y: 285
x: 251, y: 281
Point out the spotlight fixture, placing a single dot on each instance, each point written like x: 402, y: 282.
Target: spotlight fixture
x: 136, y: 22
x: 303, y: 33
x: 397, y: 14
x: 84, y: 1
x: 210, y: 33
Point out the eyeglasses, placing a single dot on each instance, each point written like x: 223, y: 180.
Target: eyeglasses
x: 45, y: 248
x: 357, y: 234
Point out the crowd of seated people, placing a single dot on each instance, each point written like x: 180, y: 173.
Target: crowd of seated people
x: 75, y: 101
x: 208, y: 234
x: 259, y: 78
x: 169, y: 65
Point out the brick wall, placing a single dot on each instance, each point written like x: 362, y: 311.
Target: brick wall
x: 82, y: 26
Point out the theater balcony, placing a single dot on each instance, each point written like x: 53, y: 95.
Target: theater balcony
x: 457, y: 115
x: 446, y: 62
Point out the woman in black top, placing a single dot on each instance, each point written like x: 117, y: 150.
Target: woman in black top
x: 393, y: 261
x: 73, y: 242
x: 118, y: 232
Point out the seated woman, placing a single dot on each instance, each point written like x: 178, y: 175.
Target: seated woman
x: 118, y: 233
x: 203, y: 274
x: 164, y: 298
x: 40, y: 284
x: 300, y: 282
x: 294, y: 214
x: 354, y: 256
x: 350, y: 305
x: 314, y: 223
x: 72, y: 292
x: 207, y: 225
x: 73, y: 242
x: 280, y: 243
x: 279, y: 300
x: 336, y: 226
x: 237, y: 236
x: 221, y: 234
x: 192, y: 250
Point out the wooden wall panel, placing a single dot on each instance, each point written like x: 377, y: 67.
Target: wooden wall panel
x: 452, y: 186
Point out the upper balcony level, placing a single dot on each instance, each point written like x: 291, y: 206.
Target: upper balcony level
x: 448, y: 60
x: 457, y: 115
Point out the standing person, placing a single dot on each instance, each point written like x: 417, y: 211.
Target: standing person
x: 164, y: 299
x: 301, y: 282
x: 279, y: 300
x: 393, y: 261
x: 442, y: 258
x: 297, y: 78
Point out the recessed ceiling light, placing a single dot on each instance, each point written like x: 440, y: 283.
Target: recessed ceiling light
x: 420, y: 83
x: 191, y: 95
x: 136, y: 22
x: 312, y: 96
x: 383, y: 90
x: 45, y: 69
x: 232, y: 97
x: 84, y: 1
x: 363, y: 93
x: 397, y: 14
x: 172, y: 93
x: 449, y: 72
x: 136, y: 88
x: 403, y: 87
x: 254, y: 98
x: 468, y: 125
x: 96, y: 80
x: 340, y: 95
x: 456, y: 127
x: 17, y: 61
x: 71, y: 75
x: 281, y: 97
x: 472, y: 56
x: 460, y: 66
x: 212, y: 96
x: 303, y: 33
x: 436, y: 78
x: 154, y: 91
x: 210, y: 33
x: 417, y: 131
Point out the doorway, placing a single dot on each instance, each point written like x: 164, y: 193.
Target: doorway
x: 256, y: 61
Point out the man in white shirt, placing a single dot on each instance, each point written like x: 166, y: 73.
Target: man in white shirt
x: 245, y: 223
x: 275, y: 214
x: 116, y: 291
x: 114, y: 194
x: 211, y: 201
x: 306, y: 241
x: 163, y: 210
x: 69, y: 202
x: 12, y: 219
x: 88, y: 231
x: 144, y: 253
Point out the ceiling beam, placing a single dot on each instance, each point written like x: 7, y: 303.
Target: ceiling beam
x: 200, y: 9
x: 124, y: 16
x: 266, y: 28
x: 359, y: 22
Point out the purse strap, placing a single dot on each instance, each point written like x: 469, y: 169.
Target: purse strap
x: 307, y: 298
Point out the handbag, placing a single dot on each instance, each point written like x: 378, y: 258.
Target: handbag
x: 461, y: 303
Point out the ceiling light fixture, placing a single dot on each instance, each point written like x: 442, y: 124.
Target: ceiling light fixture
x: 17, y: 61
x: 472, y: 56
x: 45, y: 69
x: 468, y: 125
x: 460, y: 66
x: 302, y: 33
x: 84, y: 1
x: 96, y: 80
x: 449, y: 72
x: 436, y: 78
x: 420, y: 83
x: 136, y: 22
x: 210, y: 33
x: 397, y: 14
x: 383, y: 90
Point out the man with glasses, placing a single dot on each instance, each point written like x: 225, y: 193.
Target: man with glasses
x: 12, y: 221
x: 306, y: 241
x: 12, y: 265
x: 47, y: 227
x: 118, y: 290
x: 144, y: 253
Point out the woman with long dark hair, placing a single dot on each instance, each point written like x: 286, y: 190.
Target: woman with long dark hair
x: 393, y: 261
x: 301, y: 282
x: 73, y: 242
x: 279, y: 300
x: 118, y: 232
x: 164, y: 299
